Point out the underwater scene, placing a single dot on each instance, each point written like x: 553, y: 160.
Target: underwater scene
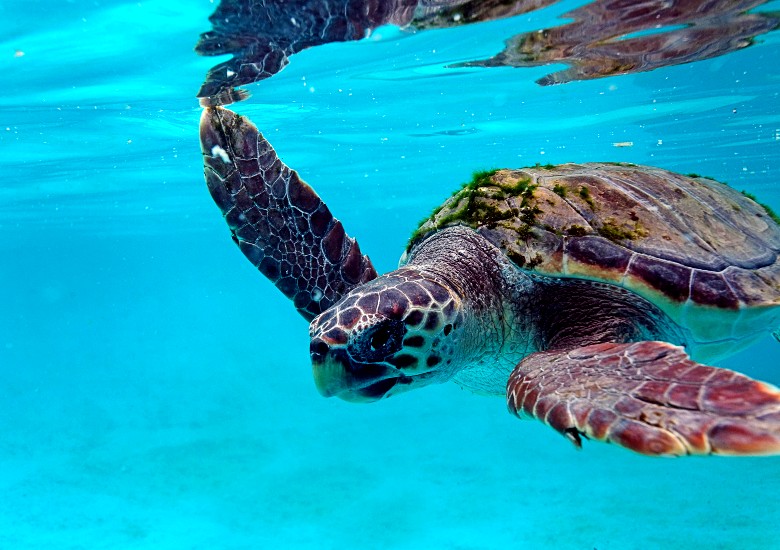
x: 159, y: 391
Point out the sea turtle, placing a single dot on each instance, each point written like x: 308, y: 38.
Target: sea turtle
x: 574, y: 290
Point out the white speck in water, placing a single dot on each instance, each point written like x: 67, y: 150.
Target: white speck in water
x: 230, y: 73
x: 218, y: 151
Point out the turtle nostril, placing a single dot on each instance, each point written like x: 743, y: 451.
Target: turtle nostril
x: 318, y: 350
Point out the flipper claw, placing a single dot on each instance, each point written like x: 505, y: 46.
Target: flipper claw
x: 573, y: 435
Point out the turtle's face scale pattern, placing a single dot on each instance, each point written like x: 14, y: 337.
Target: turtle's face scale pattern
x: 396, y: 333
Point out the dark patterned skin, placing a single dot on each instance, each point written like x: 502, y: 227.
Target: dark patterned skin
x: 649, y: 397
x: 394, y: 335
x: 588, y: 356
x: 445, y: 311
x: 277, y: 220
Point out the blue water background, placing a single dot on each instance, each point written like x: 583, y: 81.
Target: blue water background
x: 155, y: 390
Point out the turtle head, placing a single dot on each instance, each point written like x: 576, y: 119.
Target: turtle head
x: 395, y: 333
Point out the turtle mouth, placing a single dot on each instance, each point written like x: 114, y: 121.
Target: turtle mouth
x: 357, y: 382
x: 377, y: 390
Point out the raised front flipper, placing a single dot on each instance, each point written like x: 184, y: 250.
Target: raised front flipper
x: 649, y: 397
x: 277, y: 220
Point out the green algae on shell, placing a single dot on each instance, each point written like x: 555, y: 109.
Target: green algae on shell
x: 769, y: 212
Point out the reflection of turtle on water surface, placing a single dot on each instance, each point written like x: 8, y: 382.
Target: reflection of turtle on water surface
x: 608, y: 37
x: 566, y: 288
x: 262, y: 34
x: 604, y: 37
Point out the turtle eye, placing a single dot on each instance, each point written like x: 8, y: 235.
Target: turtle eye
x: 379, y: 342
x: 380, y: 338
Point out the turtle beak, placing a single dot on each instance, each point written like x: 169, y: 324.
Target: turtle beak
x: 336, y: 374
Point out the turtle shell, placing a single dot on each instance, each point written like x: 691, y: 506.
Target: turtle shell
x: 704, y: 253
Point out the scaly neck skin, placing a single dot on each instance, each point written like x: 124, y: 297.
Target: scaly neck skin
x: 494, y: 295
x: 509, y: 314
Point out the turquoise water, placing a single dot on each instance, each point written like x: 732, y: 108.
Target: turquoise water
x: 156, y: 390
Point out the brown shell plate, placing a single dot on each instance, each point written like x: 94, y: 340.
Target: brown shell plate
x: 679, y: 241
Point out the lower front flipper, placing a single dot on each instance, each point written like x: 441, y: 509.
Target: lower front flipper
x: 649, y: 397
